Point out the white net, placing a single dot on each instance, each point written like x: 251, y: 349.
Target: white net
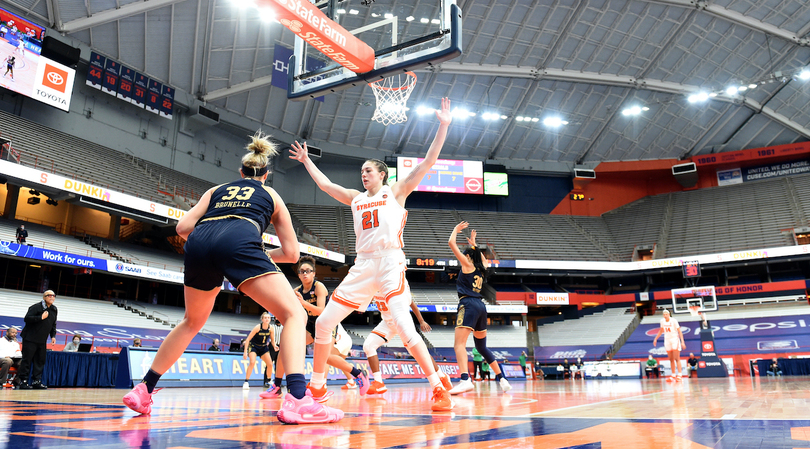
x: 694, y: 310
x: 392, y: 93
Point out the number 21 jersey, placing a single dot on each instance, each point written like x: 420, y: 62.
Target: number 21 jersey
x: 378, y: 221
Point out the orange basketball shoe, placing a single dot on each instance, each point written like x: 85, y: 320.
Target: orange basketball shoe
x: 319, y: 394
x: 441, y: 400
x: 445, y: 381
x: 377, y: 387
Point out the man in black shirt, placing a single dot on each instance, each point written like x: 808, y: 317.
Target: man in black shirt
x: 40, y: 321
x: 691, y: 364
x: 215, y: 345
x: 22, y: 234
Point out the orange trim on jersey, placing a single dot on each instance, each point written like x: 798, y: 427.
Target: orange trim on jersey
x: 402, y: 229
x: 399, y: 290
x: 380, y: 334
x: 343, y: 301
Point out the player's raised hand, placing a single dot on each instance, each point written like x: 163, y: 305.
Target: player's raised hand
x: 471, y: 240
x: 460, y: 227
x: 299, y: 152
x: 444, y: 115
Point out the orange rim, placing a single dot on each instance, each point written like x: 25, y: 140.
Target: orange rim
x: 406, y: 86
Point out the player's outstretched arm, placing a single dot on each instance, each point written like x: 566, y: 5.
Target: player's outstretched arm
x: 301, y: 154
x: 466, y: 265
x: 404, y: 187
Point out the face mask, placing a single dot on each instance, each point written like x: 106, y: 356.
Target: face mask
x: 76, y: 342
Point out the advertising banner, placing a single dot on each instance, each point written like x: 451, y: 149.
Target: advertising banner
x: 560, y: 353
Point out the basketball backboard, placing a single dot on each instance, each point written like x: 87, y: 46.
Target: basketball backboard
x: 405, y: 36
x: 682, y: 298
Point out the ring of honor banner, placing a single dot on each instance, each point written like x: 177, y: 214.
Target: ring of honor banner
x: 126, y: 84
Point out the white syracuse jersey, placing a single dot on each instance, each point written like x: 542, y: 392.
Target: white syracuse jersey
x: 378, y: 221
x: 670, y: 328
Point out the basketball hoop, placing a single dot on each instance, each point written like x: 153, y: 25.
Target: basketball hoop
x: 392, y: 93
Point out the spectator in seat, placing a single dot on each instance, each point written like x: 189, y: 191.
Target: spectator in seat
x: 10, y: 354
x: 691, y: 364
x: 773, y: 369
x: 73, y: 346
x: 652, y: 367
x: 566, y: 369
x: 136, y: 343
x: 22, y: 234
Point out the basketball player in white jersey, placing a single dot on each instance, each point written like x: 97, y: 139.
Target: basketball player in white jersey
x: 379, y: 218
x: 673, y: 343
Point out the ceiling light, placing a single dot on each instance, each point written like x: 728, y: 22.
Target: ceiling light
x: 645, y: 108
x: 409, y: 18
x: 388, y: 15
x: 424, y: 20
x: 354, y: 11
x: 374, y: 14
x: 804, y: 74
x: 713, y: 94
x: 554, y: 122
x: 519, y: 118
x: 424, y: 110
x: 731, y: 90
x: 471, y: 114
x: 341, y: 11
x: 752, y: 86
x: 631, y: 111
x: 503, y: 117
x: 461, y: 113
x: 435, y: 21
x: 742, y: 88
x: 698, y: 97
x: 267, y: 15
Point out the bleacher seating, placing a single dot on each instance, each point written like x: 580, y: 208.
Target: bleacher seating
x: 55, y: 151
x: 76, y: 310
x: 497, y: 337
x: 742, y: 309
x: 44, y: 237
x: 605, y: 327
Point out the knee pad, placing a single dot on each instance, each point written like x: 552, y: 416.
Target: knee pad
x: 481, y: 346
x: 407, y: 330
x: 324, y: 325
x: 373, y: 341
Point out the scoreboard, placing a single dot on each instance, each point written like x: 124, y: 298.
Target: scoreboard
x: 128, y: 85
x: 446, y: 175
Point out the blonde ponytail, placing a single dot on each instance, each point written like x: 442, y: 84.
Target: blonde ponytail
x: 260, y: 150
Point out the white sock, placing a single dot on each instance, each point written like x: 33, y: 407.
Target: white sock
x: 377, y: 376
x: 434, y: 380
x: 317, y: 380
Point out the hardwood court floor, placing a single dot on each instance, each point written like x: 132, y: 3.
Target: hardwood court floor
x: 622, y: 414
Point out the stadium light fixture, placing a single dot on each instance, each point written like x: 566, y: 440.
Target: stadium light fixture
x: 698, y: 97
x: 424, y: 110
x: 804, y: 75
x: 632, y: 111
x: 554, y: 122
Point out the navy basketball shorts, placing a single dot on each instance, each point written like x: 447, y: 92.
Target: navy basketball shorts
x: 259, y: 350
x: 228, y: 248
x: 472, y: 314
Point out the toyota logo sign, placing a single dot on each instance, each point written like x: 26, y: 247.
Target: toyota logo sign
x: 708, y: 346
x: 56, y: 78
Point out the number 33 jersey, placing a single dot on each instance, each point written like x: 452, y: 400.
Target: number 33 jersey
x: 378, y: 221
x: 245, y: 198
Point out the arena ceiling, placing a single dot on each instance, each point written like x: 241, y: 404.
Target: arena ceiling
x: 585, y: 61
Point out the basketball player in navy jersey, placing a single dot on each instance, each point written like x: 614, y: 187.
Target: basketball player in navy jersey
x: 313, y: 296
x: 257, y: 346
x: 472, y: 312
x: 10, y: 63
x: 224, y: 239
